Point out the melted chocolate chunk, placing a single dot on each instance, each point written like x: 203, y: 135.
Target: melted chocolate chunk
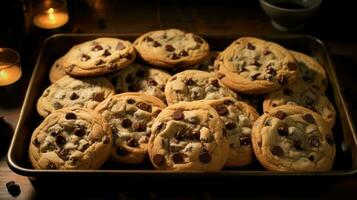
x: 255, y: 76
x: 283, y: 130
x: 120, y: 46
x: 159, y: 159
x: 60, y: 140
x: 169, y: 48
x: 311, y: 158
x: 71, y: 116
x: 106, y: 53
x: 292, y: 66
x: 175, y: 56
x: 228, y: 102
x: 97, y: 48
x: 297, y: 144
x: 159, y: 126
x: 309, y: 118
x: 230, y: 125
x: 57, y: 106
x: 266, y: 52
x: 73, y: 96
x: 242, y: 69
x: 270, y: 70
x: 85, y: 57
x: 79, y: 131
x: 288, y: 92
x: 256, y: 63
x: 132, y: 142
x: 280, y: 115
x: 282, y: 80
x: 99, y: 97
x: 126, y: 123
x: 156, y: 44
x: 177, y: 158
x: 121, y: 151
x: 130, y: 101
x: 99, y: 62
x: 244, y: 140
x: 222, y: 110
x: 64, y: 154
x: 277, y: 151
x: 144, y: 106
x: 329, y: 139
x: 189, y: 81
x: 180, y: 135
x: 139, y: 127
x: 177, y: 115
x: 152, y: 82
x: 197, y: 39
x: 183, y: 53
x: 205, y: 157
x: 250, y: 46
x: 314, y: 141
x: 215, y: 83
x: 148, y: 39
x: 36, y: 142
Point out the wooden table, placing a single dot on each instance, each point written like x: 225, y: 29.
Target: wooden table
x: 209, y: 17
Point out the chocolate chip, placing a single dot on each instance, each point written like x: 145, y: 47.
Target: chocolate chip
x: 120, y: 46
x: 205, y: 157
x: 277, y: 151
x: 126, y: 123
x: 177, y: 115
x: 169, y: 47
x: 197, y: 39
x: 85, y: 57
x: 13, y: 188
x: 255, y: 76
x: 144, y: 106
x: 71, y: 116
x: 100, y: 62
x: 189, y: 81
x: 130, y: 101
x: 245, y: 140
x: 159, y: 159
x: 283, y: 130
x: 230, y: 125
x: 175, y: 56
x: 268, y: 122
x: 152, y: 82
x: 273, y: 104
x: 156, y: 44
x: 297, y: 144
x: 79, y: 131
x: 256, y: 63
x: 84, y: 147
x: 121, y: 151
x: 60, y: 140
x: 106, y: 140
x: 196, y: 134
x: 242, y: 69
x: 228, y: 102
x: 292, y: 66
x: 99, y: 97
x: 132, y: 142
x: 183, y: 53
x: 177, y: 158
x: 314, y: 141
x: 141, y: 73
x: 36, y: 142
x: 173, y: 78
x: 159, y: 126
x: 311, y: 158
x: 282, y: 80
x: 106, y: 53
x: 270, y: 70
x: 180, y: 135
x: 57, y: 105
x: 250, y: 46
x: 139, y: 127
x: 130, y: 78
x: 309, y: 118
x: 288, y: 92
x: 97, y: 48
x: 266, y: 52
x: 51, y: 165
x: 64, y: 154
x: 148, y: 39
x: 280, y: 115
x: 329, y: 139
x: 74, y: 96
x: 215, y: 83
x: 220, y: 75
x: 221, y: 109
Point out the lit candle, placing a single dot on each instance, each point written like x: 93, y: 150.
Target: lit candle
x: 50, y: 19
x: 9, y: 73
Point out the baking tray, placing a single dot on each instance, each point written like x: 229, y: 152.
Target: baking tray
x: 345, y: 162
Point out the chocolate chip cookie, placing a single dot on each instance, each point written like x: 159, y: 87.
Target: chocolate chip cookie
x: 79, y: 92
x: 141, y: 78
x: 193, y: 85
x: 57, y: 70
x: 208, y: 64
x: 130, y: 116
x: 71, y: 138
x: 98, y: 57
x: 255, y: 66
x: 304, y: 95
x: 293, y: 138
x: 311, y: 72
x: 172, y: 48
x: 238, y: 119
x: 188, y: 136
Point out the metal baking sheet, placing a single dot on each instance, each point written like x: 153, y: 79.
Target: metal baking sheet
x: 346, y: 143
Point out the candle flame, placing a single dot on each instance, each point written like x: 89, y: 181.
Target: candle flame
x: 51, y: 15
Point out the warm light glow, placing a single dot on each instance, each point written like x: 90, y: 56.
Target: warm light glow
x: 4, y: 75
x: 51, y: 16
x: 9, y: 75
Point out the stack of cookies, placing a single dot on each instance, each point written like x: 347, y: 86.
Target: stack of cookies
x: 168, y: 100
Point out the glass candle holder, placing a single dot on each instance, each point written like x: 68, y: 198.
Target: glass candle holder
x: 50, y: 14
x: 10, y: 67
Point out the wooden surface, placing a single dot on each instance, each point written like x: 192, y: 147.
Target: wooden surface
x: 209, y: 17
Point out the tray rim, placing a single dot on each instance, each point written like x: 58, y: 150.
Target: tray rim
x: 152, y: 173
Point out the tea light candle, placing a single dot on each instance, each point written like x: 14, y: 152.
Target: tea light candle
x: 10, y: 68
x: 50, y: 14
